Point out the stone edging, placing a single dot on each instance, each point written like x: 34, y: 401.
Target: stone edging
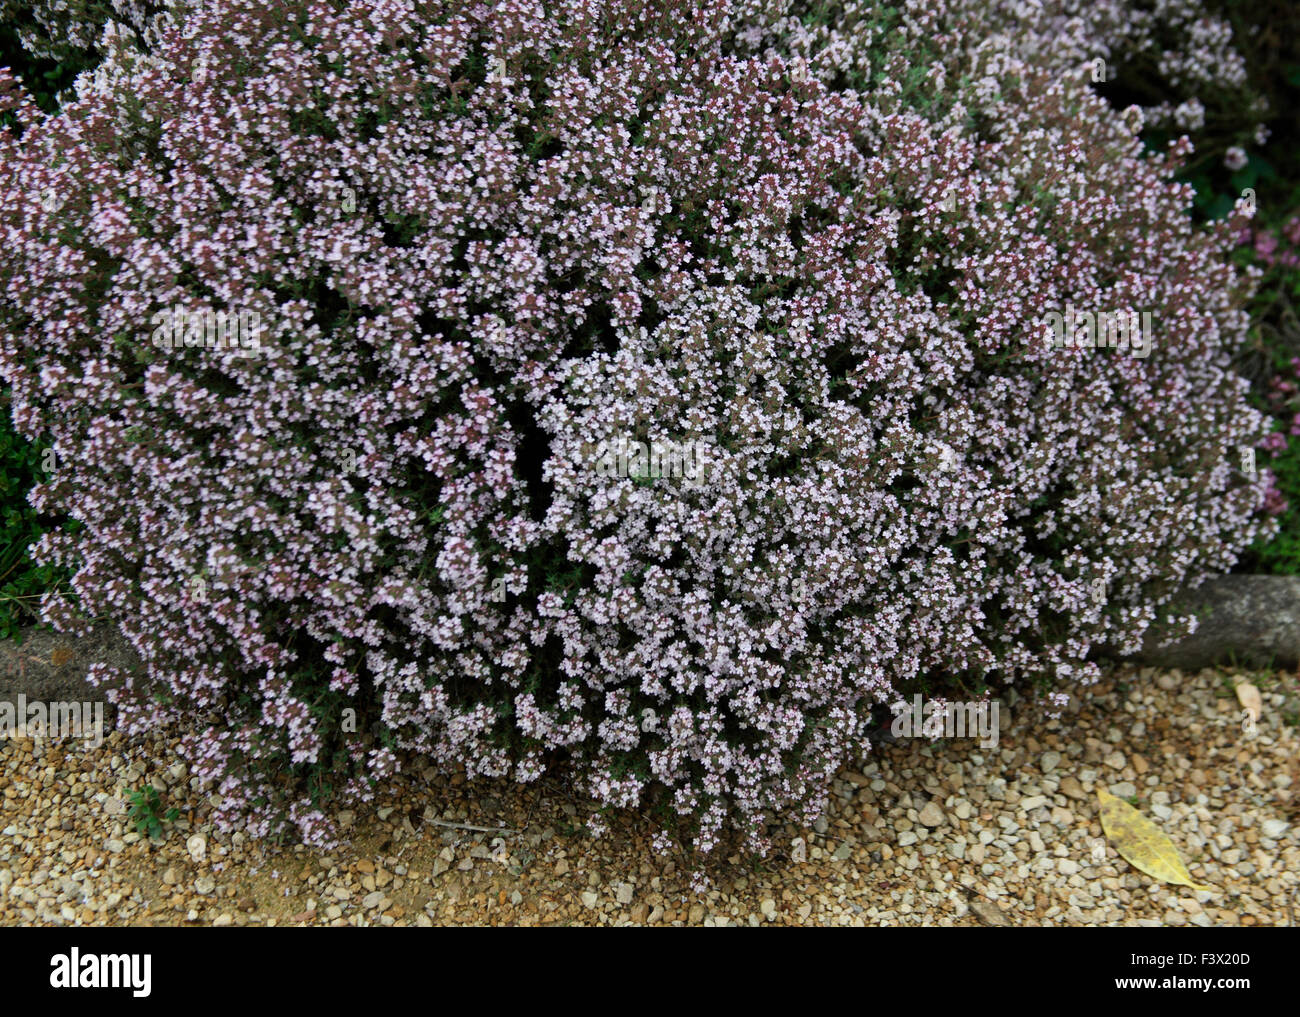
x: 1254, y: 619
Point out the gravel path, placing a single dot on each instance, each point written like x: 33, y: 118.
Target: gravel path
x: 923, y: 833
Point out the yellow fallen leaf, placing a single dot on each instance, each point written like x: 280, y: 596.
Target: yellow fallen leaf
x: 1141, y: 842
x: 1248, y: 696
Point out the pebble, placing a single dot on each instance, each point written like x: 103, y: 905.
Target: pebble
x: 1071, y: 788
x: 988, y: 913
x: 1274, y: 828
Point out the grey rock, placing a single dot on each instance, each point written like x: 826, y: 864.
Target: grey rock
x: 27, y: 666
x: 1255, y: 619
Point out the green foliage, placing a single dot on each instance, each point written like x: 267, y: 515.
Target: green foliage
x: 21, y: 581
x: 44, y: 78
x: 1282, y: 555
x: 146, y: 811
x: 1274, y: 346
x: 1265, y: 32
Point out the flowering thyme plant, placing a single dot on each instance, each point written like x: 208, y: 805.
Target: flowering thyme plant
x: 485, y: 241
x: 66, y: 29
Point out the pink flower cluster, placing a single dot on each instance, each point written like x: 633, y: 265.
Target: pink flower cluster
x: 54, y: 29
x: 1178, y: 48
x: 1187, y: 46
x: 1283, y: 395
x: 1275, y: 247
x: 486, y: 239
